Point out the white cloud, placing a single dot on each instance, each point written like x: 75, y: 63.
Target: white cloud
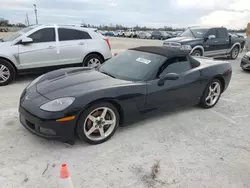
x: 230, y: 19
x: 204, y: 4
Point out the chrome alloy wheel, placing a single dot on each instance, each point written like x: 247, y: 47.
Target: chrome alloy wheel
x: 99, y: 124
x: 213, y: 93
x: 4, y: 73
x: 94, y: 62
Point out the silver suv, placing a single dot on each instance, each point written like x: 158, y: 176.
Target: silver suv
x: 47, y: 47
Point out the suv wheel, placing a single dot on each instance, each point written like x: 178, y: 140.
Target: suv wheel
x: 234, y: 53
x: 7, y: 73
x: 196, y: 53
x: 92, y: 60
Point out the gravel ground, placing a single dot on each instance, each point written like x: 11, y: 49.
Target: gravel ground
x: 191, y: 147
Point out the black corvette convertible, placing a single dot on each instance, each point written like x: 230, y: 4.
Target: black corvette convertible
x: 92, y: 102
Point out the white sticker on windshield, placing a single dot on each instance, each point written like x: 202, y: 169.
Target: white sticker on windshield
x: 142, y: 60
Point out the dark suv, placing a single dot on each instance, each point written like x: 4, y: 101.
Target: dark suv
x: 211, y: 42
x: 161, y: 35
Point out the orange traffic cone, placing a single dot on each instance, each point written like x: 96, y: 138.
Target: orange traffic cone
x: 66, y: 181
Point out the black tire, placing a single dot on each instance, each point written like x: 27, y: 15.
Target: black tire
x: 196, y: 53
x: 205, y: 94
x: 11, y: 70
x: 89, y: 57
x: 84, y: 115
x: 234, y: 53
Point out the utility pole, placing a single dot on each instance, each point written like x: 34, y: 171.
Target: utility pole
x: 27, y: 18
x: 35, y: 13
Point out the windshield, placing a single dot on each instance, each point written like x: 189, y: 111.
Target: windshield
x: 194, y: 33
x: 17, y: 34
x: 131, y: 65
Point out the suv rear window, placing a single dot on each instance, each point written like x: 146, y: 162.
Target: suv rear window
x: 72, y: 34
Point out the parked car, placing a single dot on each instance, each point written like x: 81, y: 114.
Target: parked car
x: 207, y: 41
x: 161, y: 35
x: 92, y: 103
x: 144, y: 35
x: 245, y: 62
x: 121, y: 33
x: 236, y: 35
x: 45, y: 47
x: 110, y: 33
x: 130, y: 33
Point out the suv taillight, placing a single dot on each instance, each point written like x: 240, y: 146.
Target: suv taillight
x: 107, y: 40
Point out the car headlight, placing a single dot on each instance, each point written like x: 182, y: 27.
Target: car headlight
x: 57, y: 104
x: 34, y: 81
x: 186, y: 47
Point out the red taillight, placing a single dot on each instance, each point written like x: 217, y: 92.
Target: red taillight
x: 107, y: 40
x: 228, y: 73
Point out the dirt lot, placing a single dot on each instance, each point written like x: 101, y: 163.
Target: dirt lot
x: 191, y: 147
x: 3, y: 34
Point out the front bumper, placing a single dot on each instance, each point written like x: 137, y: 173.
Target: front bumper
x: 245, y: 63
x: 42, y: 123
x: 49, y: 129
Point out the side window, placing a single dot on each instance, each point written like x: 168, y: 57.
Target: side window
x: 71, y: 34
x: 175, y: 65
x: 43, y: 35
x: 211, y: 32
x: 221, y: 33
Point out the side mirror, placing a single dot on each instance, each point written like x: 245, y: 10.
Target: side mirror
x: 211, y: 37
x: 26, y: 40
x: 169, y: 76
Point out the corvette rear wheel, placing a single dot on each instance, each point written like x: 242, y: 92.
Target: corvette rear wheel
x: 211, y: 94
x: 98, y: 123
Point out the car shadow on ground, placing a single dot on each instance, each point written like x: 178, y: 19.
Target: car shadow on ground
x: 26, y: 78
x: 157, y: 115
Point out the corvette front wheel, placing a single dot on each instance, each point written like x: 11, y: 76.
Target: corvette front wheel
x: 98, y: 123
x: 211, y: 94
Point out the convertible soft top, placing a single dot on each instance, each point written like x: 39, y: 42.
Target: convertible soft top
x: 161, y: 50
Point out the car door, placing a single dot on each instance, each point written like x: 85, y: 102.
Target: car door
x: 173, y: 93
x: 210, y: 45
x: 72, y: 45
x: 217, y: 45
x: 223, y: 40
x: 41, y: 52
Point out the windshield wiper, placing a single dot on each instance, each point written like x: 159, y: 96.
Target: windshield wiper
x: 108, y: 74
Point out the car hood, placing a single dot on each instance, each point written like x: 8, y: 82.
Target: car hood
x: 248, y: 54
x: 74, y: 82
x: 182, y: 39
x: 4, y: 44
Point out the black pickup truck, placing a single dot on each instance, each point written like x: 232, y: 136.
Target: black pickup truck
x: 207, y: 41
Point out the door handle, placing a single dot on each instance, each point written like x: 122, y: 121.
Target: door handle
x: 50, y: 47
x: 81, y: 43
x: 227, y: 40
x: 215, y: 41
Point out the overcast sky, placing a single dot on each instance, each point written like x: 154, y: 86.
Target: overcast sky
x: 153, y: 13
